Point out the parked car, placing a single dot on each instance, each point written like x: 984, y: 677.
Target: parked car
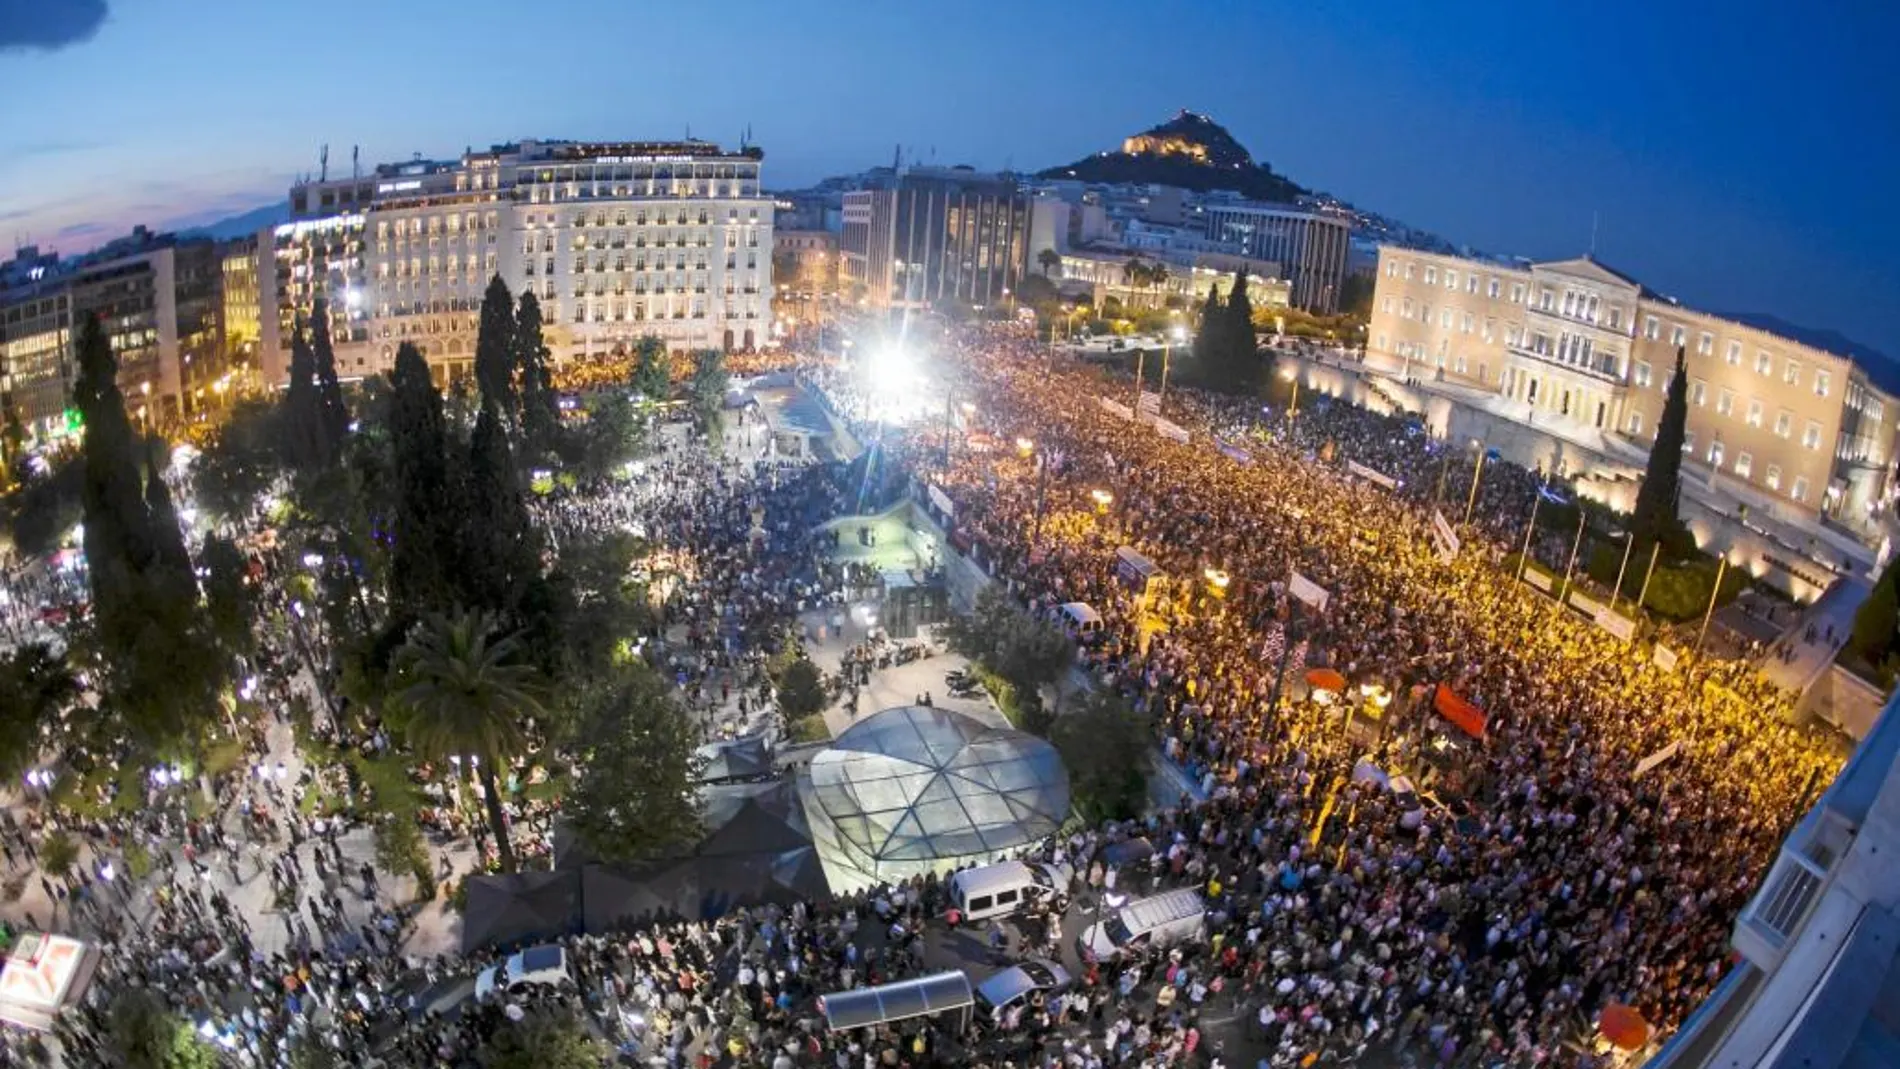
x: 1018, y: 983
x: 543, y: 966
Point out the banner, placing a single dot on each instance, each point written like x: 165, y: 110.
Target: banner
x: 942, y: 501
x: 1665, y: 658
x: 1149, y: 402
x: 1467, y: 717
x: 1657, y: 758
x: 1171, y: 430
x: 1537, y: 579
x: 1309, y: 592
x: 1374, y: 477
x: 1616, y: 624
x: 1444, y: 539
x: 1115, y: 408
x: 1585, y: 604
x: 1235, y: 453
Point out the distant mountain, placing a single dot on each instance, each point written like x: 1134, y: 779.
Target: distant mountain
x: 1884, y: 370
x: 1189, y: 151
x: 243, y: 225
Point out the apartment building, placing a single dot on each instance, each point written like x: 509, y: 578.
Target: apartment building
x: 1581, y: 349
x: 1311, y: 246
x: 617, y: 240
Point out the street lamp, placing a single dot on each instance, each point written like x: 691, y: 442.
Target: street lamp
x: 1102, y: 499
x: 1176, y: 335
x: 1477, y: 474
x: 1292, y: 375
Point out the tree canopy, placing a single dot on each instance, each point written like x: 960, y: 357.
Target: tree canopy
x: 1654, y: 518
x: 1106, y: 747
x: 635, y: 797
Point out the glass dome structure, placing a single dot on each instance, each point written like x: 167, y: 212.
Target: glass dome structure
x: 920, y: 789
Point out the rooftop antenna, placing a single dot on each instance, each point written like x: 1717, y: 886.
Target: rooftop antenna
x: 323, y: 162
x: 1593, y: 233
x: 356, y: 162
x: 897, y: 158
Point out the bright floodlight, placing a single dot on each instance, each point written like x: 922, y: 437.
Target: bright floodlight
x: 892, y: 370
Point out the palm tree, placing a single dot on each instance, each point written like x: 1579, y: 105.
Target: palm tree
x: 1134, y: 271
x: 464, y: 691
x: 1050, y: 259
x: 1157, y: 277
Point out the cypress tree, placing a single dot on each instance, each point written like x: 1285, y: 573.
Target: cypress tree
x: 1654, y: 518
x: 305, y: 442
x: 500, y: 551
x: 1242, y: 358
x: 540, y: 406
x: 118, y: 538
x: 495, y: 349
x: 1878, y: 619
x: 1207, y: 338
x: 335, y: 418
x: 424, y: 522
x: 171, y: 563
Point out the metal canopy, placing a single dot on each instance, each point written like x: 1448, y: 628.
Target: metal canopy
x: 866, y: 1006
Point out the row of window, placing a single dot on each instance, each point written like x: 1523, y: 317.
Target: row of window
x: 539, y: 194
x: 417, y: 226
x: 680, y: 217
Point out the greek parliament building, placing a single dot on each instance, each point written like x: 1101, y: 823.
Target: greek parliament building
x: 617, y: 240
x: 1563, y: 365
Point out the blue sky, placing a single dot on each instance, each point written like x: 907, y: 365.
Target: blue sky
x: 1743, y: 156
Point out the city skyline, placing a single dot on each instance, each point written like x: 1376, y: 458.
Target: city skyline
x: 1486, y: 125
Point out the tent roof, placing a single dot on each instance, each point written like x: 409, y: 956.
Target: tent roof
x: 898, y: 1001
x: 526, y: 906
x: 735, y: 758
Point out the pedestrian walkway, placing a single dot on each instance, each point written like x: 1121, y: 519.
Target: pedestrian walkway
x: 1808, y: 647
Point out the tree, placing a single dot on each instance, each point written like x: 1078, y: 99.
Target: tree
x: 500, y: 548
x: 1877, y: 621
x: 423, y: 524
x: 1106, y: 747
x: 1157, y: 278
x: 333, y: 414
x: 1026, y: 652
x: 155, y: 665
x: 1654, y: 519
x: 1209, y: 338
x: 59, y: 855
x: 545, y: 1038
x: 608, y: 608
x: 399, y: 848
x: 305, y: 444
x: 636, y: 797
x: 613, y: 435
x: 495, y: 350
x: 709, y: 382
x: 464, y: 693
x: 230, y: 600
x: 1048, y: 260
x: 241, y: 462
x: 1240, y: 361
x: 801, y: 691
x: 47, y: 506
x: 540, y: 403
x: 36, y: 687
x: 652, y: 369
x: 141, y: 1033
x: 311, y: 1051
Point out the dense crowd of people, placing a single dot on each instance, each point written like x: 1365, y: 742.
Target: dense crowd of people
x: 1479, y: 927
x: 1559, y: 882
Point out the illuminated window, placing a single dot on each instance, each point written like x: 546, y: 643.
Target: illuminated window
x: 1822, y: 381
x: 1705, y: 343
x: 1800, y: 491
x: 1811, y: 435
x: 1744, y: 464
x: 1754, y: 413
x: 1772, y: 477
x: 1791, y: 373
x: 1784, y: 423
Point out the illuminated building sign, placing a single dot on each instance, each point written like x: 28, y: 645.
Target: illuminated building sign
x: 306, y: 226
x: 397, y: 187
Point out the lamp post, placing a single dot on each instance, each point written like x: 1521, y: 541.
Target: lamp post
x: 1477, y: 475
x: 1721, y: 570
x: 1524, y: 555
x: 1293, y: 409
x: 1175, y: 336
x: 1629, y: 543
x: 1575, y: 545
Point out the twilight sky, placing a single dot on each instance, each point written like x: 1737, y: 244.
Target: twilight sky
x: 1742, y: 156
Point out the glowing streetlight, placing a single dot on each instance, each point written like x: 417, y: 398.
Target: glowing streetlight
x: 1025, y: 447
x: 1292, y: 375
x: 1102, y: 499
x: 1217, y: 581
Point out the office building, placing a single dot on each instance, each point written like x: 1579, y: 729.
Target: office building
x: 935, y: 235
x: 1310, y: 246
x: 616, y: 240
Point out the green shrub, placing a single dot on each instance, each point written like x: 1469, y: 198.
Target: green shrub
x: 1681, y: 592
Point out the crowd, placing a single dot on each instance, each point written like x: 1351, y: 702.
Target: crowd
x: 1477, y: 932
x: 1558, y: 882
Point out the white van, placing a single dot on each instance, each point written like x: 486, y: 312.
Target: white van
x: 1159, y: 921
x: 1008, y: 886
x: 1080, y: 620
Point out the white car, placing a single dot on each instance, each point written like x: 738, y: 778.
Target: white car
x: 543, y: 966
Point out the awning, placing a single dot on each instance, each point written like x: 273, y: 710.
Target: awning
x: 1326, y: 679
x: 1468, y: 717
x: 866, y: 1006
x: 1623, y: 1026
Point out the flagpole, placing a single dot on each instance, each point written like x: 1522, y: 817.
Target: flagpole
x: 1642, y: 598
x: 1629, y: 543
x: 1720, y: 570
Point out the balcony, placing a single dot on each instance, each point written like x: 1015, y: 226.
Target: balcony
x: 1603, y: 368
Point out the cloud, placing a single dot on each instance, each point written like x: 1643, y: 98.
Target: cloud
x: 49, y: 25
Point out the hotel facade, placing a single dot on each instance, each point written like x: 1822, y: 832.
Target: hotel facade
x: 1583, y: 353
x: 616, y: 240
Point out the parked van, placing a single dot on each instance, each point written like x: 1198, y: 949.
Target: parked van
x: 1003, y: 888
x: 1080, y: 620
x: 1159, y: 921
